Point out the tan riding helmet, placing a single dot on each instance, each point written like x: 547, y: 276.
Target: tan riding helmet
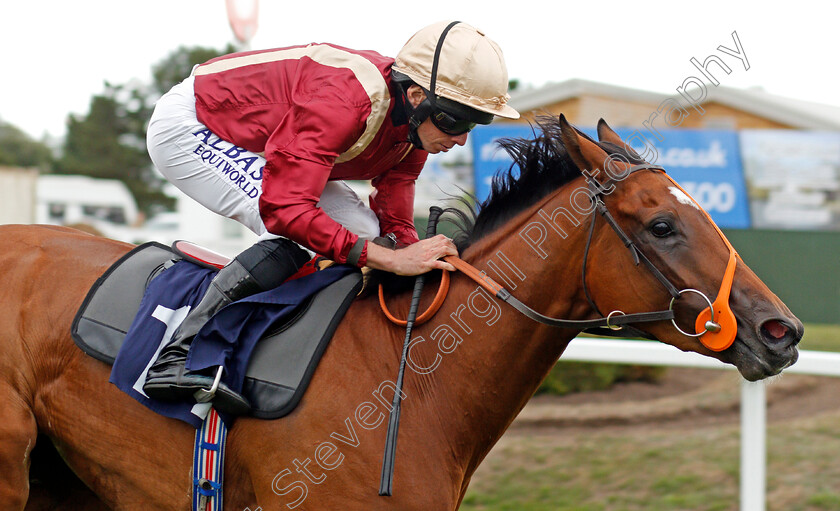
x: 471, y: 68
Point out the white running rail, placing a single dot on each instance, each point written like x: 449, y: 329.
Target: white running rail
x: 753, y: 401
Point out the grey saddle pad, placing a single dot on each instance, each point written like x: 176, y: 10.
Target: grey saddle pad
x: 282, y: 363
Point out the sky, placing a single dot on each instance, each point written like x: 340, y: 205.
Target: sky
x: 57, y: 54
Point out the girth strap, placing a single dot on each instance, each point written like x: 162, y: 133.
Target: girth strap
x: 209, y: 463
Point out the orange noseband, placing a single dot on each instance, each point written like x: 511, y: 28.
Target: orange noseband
x: 724, y: 337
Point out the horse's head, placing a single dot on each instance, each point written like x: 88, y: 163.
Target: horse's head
x: 751, y: 328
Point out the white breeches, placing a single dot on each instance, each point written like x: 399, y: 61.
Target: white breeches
x: 225, y: 178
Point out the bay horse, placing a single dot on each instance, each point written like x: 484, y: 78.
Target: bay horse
x: 472, y: 367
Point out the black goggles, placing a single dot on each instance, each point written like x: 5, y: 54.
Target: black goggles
x: 450, y: 124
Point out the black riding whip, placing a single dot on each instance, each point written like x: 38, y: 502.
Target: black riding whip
x: 386, y: 482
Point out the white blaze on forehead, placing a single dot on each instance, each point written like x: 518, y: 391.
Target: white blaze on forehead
x: 682, y: 197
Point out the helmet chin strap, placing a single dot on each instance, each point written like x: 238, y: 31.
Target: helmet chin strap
x: 416, y: 116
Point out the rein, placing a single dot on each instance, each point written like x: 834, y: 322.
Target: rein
x: 504, y: 295
x: 717, y: 335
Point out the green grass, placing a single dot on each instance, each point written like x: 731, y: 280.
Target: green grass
x: 821, y: 338
x: 666, y: 469
x: 659, y: 469
x: 601, y: 472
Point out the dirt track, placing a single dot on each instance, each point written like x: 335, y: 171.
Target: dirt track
x: 695, y: 397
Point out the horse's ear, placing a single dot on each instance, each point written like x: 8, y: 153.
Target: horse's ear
x: 586, y: 154
x: 606, y: 134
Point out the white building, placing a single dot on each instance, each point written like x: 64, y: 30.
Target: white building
x: 102, y: 203
x: 108, y: 206
x: 17, y: 195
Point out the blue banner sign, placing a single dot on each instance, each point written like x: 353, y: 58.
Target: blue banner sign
x: 706, y: 163
x: 488, y: 157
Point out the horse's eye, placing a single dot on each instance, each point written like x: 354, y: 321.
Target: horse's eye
x: 661, y: 229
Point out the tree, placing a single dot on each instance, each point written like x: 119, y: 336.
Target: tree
x: 171, y: 70
x: 109, y: 141
x: 17, y: 149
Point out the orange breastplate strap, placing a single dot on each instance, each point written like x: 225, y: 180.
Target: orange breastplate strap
x: 440, y: 296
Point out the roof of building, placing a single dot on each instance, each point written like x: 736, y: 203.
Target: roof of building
x: 792, y: 112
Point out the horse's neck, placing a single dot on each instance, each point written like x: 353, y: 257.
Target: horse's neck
x: 502, y: 356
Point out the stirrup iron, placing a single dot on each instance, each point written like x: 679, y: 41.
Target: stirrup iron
x: 207, y: 395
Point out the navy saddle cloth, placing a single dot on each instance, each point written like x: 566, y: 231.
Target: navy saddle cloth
x: 273, y: 340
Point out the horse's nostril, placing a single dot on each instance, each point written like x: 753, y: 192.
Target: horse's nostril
x: 779, y: 334
x: 774, y: 329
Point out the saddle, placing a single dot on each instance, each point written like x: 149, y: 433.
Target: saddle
x: 282, y: 362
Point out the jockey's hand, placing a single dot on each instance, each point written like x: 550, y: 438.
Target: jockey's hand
x: 414, y: 259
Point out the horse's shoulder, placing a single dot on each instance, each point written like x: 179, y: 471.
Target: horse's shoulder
x: 46, y: 271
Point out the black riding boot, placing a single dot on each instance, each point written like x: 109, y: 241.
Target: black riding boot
x: 263, y: 266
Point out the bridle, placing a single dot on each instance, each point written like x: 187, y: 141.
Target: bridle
x: 715, y: 325
x: 597, y: 192
x: 715, y: 335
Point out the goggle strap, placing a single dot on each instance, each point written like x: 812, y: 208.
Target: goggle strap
x: 436, y: 59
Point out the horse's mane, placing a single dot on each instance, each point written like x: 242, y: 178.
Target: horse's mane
x: 540, y: 166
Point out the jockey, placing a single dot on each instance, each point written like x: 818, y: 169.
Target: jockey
x: 267, y: 137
